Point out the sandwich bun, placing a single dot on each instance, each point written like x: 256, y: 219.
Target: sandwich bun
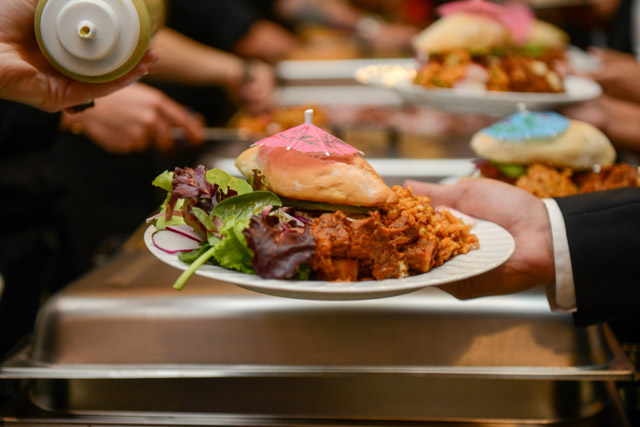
x: 461, y: 31
x: 346, y: 180
x: 547, y: 35
x: 580, y: 147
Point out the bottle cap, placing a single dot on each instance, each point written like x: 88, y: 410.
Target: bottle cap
x: 90, y: 40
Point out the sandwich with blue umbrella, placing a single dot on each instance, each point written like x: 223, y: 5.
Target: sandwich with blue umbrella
x: 549, y: 155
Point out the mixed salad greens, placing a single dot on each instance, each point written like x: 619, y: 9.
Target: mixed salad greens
x: 234, y: 223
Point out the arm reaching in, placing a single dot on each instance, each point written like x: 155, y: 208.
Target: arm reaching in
x: 618, y: 118
x: 134, y: 119
x: 618, y: 75
x: 184, y: 60
x: 27, y: 77
x: 519, y: 212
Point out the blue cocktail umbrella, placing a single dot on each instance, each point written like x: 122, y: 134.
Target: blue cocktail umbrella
x: 526, y: 125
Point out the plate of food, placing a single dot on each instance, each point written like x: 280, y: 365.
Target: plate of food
x: 314, y: 220
x: 496, y: 246
x: 548, y: 155
x: 474, y: 59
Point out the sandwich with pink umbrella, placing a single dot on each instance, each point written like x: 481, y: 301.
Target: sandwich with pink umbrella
x: 262, y: 224
x: 307, y: 164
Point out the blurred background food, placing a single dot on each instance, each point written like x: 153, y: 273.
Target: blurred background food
x: 493, y: 47
x: 549, y: 155
x: 278, y: 119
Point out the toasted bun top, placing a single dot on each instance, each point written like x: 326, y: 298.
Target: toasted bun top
x: 547, y: 35
x: 346, y: 180
x: 580, y: 147
x: 461, y: 31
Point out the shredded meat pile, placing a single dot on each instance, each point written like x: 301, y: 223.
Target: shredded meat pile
x: 544, y: 181
x: 608, y: 177
x: 510, y: 71
x: 400, y: 239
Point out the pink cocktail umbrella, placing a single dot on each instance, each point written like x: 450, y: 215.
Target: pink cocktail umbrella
x: 309, y: 138
x: 518, y: 18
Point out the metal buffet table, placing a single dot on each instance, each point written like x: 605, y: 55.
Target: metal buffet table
x: 120, y: 347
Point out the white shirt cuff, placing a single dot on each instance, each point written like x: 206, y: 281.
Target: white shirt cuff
x: 562, y: 294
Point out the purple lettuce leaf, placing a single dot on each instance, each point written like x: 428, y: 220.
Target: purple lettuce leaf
x: 278, y: 253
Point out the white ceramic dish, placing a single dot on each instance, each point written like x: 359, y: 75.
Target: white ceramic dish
x: 496, y: 246
x: 399, y: 77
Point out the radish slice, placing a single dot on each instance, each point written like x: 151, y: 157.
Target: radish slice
x: 172, y: 242
x: 186, y: 231
x: 469, y: 220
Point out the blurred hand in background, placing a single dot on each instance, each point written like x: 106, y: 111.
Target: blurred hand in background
x: 134, y: 119
x: 251, y: 84
x: 619, y: 74
x: 618, y: 118
x: 379, y: 33
x: 617, y: 111
x: 256, y: 91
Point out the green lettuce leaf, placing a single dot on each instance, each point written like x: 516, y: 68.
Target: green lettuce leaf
x: 232, y: 252
x: 226, y: 244
x: 204, y: 218
x: 511, y: 170
x: 193, y: 255
x: 235, y: 213
x: 224, y: 181
x: 164, y: 181
x: 197, y: 263
x: 161, y: 223
x: 241, y: 208
x: 533, y: 50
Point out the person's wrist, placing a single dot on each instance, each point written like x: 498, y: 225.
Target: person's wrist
x: 241, y: 73
x: 232, y: 79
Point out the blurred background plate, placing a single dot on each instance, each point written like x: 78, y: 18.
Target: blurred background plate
x: 398, y: 78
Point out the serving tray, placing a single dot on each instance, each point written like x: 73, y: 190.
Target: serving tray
x: 121, y: 339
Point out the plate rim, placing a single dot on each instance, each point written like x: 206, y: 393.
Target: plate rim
x: 409, y: 91
x: 325, y: 290
x: 507, y: 96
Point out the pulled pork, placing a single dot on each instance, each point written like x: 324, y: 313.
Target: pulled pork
x: 544, y: 181
x: 400, y: 239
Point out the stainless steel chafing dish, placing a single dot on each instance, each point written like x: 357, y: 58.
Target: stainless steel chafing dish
x: 121, y: 342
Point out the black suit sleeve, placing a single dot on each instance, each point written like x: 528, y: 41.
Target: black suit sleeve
x: 603, y: 230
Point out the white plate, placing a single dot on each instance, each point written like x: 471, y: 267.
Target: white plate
x: 496, y: 246
x: 399, y: 77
